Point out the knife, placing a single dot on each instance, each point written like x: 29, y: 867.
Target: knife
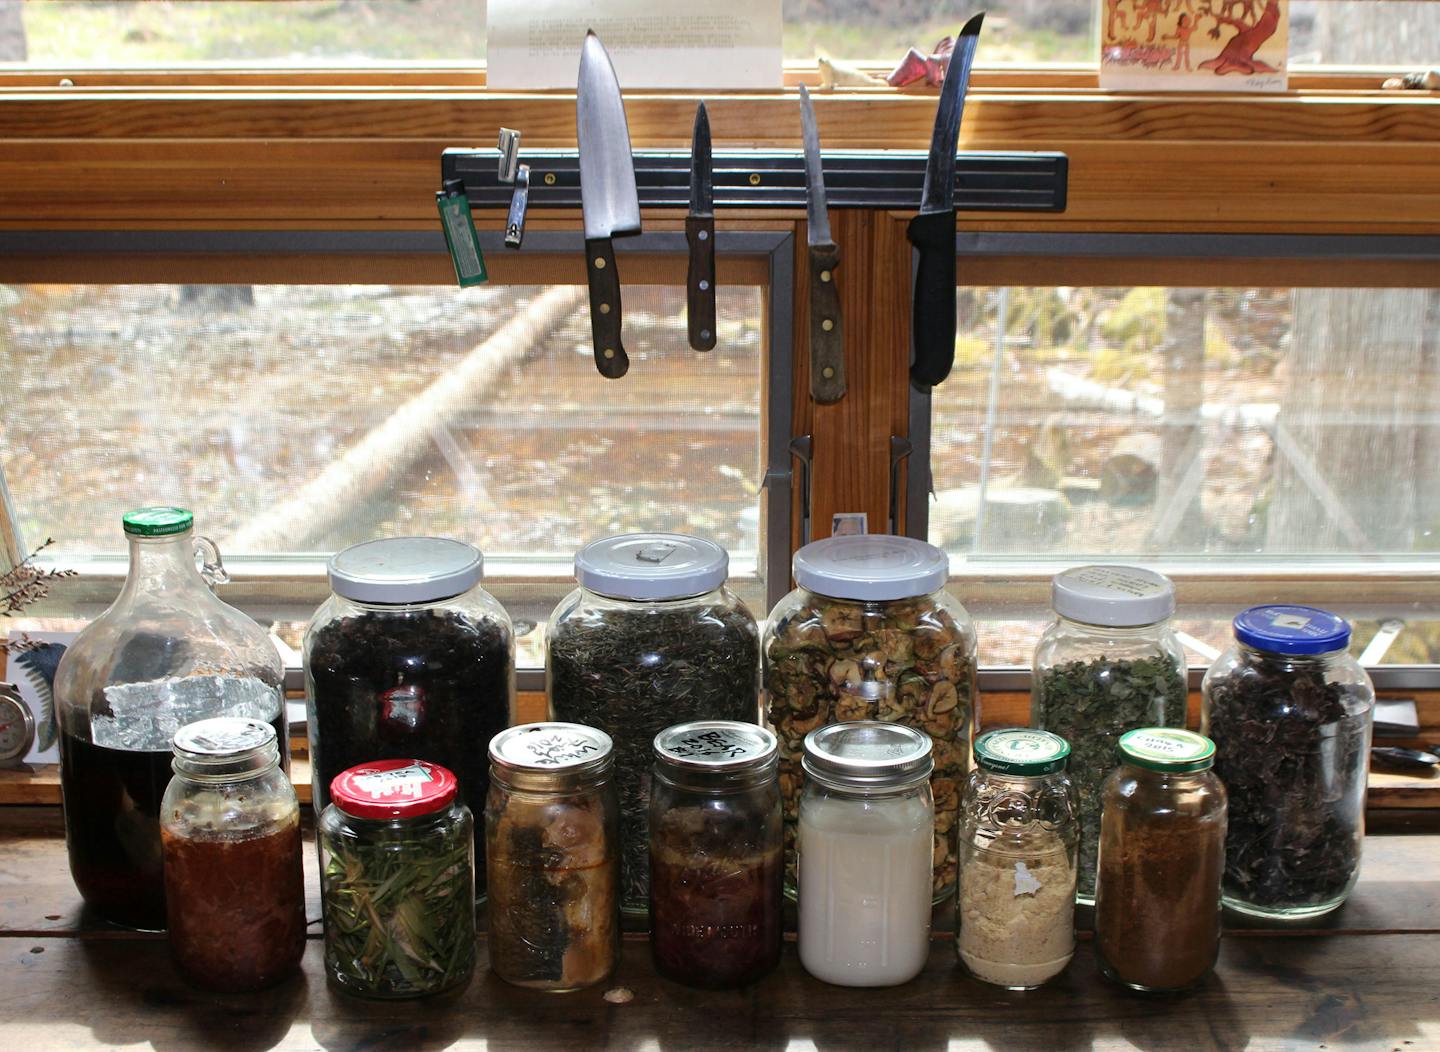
x: 700, y: 233
x: 932, y: 232
x: 607, y: 196
x: 827, y: 349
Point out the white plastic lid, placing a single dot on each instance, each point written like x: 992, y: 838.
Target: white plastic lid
x: 406, y: 570
x: 651, y: 566
x: 871, y: 566
x: 1115, y: 596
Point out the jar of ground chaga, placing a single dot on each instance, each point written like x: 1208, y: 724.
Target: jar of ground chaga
x: 409, y: 659
x: 1290, y: 712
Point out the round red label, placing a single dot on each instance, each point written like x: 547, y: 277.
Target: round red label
x: 393, y: 789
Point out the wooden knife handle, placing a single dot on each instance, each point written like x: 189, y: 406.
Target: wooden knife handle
x: 932, y: 319
x: 827, y: 345
x: 700, y: 284
x: 610, y: 357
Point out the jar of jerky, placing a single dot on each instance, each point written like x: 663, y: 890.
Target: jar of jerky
x: 1290, y: 712
x: 1162, y: 847
x: 409, y: 659
x: 552, y: 851
x: 871, y: 634
x: 1108, y: 663
x: 397, y: 881
x: 715, y: 854
x: 652, y: 637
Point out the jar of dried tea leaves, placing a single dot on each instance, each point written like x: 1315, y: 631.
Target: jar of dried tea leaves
x: 871, y: 634
x: 1290, y: 712
x: 1109, y: 663
x: 652, y: 637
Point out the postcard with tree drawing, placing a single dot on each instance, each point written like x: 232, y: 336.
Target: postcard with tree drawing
x: 1194, y: 45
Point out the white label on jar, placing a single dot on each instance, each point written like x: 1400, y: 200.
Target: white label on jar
x: 1289, y: 621
x: 402, y: 781
x: 144, y: 717
x: 1025, y: 882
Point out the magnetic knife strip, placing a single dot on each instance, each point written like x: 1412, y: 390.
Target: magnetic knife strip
x: 882, y: 179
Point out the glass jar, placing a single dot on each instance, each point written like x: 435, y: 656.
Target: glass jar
x: 1162, y: 849
x: 715, y: 854
x: 865, y: 842
x: 409, y: 659
x: 1108, y: 664
x: 234, y: 886
x: 552, y: 851
x: 871, y: 634
x: 166, y: 653
x: 1015, y: 908
x: 1291, y: 713
x: 652, y: 637
x: 397, y: 881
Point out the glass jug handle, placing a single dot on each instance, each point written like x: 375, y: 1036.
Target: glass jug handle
x: 211, y: 568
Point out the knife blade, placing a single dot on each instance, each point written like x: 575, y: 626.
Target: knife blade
x: 700, y: 234
x: 827, y: 347
x: 932, y: 232
x: 608, y: 198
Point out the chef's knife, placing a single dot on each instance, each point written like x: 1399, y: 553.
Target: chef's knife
x: 932, y: 232
x: 607, y: 196
x: 700, y: 233
x: 827, y: 348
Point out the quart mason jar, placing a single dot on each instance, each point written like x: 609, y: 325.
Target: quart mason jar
x: 1291, y: 714
x: 652, y: 637
x: 871, y: 634
x: 1015, y: 908
x: 715, y: 854
x: 166, y: 653
x: 234, y: 886
x: 1108, y: 663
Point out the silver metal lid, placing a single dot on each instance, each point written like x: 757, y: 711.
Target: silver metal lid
x: 550, y: 755
x: 871, y: 567
x: 406, y: 570
x: 222, y: 738
x: 716, y: 747
x: 867, y: 754
x: 657, y: 566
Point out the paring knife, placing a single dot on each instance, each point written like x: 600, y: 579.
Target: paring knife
x: 827, y: 347
x: 607, y: 196
x: 700, y: 233
x: 932, y: 232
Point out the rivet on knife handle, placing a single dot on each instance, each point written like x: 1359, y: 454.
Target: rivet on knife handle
x: 827, y: 345
x: 610, y: 357
x: 932, y: 319
x: 700, y: 283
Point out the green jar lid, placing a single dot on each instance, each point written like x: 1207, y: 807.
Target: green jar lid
x: 1020, y: 750
x: 157, y: 522
x: 1167, y: 749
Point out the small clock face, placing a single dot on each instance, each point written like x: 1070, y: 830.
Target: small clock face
x: 17, y: 728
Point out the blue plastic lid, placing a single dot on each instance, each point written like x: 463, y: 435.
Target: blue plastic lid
x: 1292, y: 630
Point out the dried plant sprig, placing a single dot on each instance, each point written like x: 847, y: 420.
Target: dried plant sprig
x: 25, y: 585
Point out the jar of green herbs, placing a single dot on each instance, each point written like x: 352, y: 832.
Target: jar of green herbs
x: 1108, y: 664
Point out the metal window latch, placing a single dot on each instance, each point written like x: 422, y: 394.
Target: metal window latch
x: 900, y: 448
x: 800, y: 448
x: 510, y: 170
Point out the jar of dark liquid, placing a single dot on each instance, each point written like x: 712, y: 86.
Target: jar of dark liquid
x: 166, y: 653
x: 716, y: 850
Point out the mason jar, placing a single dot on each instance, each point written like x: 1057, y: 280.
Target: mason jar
x: 1162, y: 849
x: 553, y: 855
x: 715, y: 854
x: 865, y: 844
x: 1291, y: 714
x: 397, y: 855
x: 234, y: 886
x: 1108, y: 663
x: 1015, y: 908
x: 871, y: 634
x: 652, y: 637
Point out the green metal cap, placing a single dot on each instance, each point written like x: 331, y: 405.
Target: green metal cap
x: 1019, y: 750
x: 1167, y: 749
x: 157, y: 522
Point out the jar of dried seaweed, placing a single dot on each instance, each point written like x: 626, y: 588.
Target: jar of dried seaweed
x: 1162, y: 847
x: 1108, y: 664
x: 715, y: 854
x: 552, y: 851
x: 409, y: 659
x: 652, y: 637
x: 397, y: 881
x: 1015, y: 908
x: 871, y: 634
x: 1290, y: 712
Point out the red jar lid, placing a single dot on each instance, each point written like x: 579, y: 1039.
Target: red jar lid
x: 393, y: 789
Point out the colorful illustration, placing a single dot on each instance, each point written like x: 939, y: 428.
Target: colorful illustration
x: 1194, y: 45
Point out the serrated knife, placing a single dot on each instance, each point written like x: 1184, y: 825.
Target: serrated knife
x: 932, y: 232
x: 700, y: 234
x: 607, y: 196
x: 827, y: 346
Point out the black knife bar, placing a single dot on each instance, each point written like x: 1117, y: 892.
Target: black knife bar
x: 883, y: 179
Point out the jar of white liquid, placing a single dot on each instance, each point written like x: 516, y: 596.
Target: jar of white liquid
x: 865, y: 846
